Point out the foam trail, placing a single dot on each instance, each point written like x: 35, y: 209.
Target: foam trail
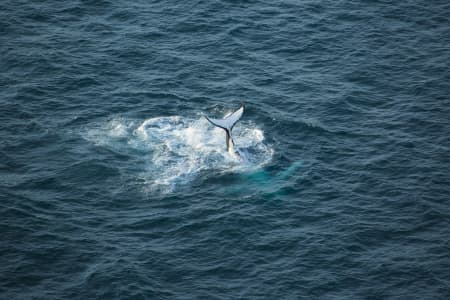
x: 177, y: 148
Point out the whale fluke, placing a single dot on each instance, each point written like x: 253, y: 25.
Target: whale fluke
x: 227, y: 124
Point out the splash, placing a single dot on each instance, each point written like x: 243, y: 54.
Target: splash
x: 177, y: 149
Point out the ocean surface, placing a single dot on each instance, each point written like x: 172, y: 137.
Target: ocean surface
x: 113, y: 185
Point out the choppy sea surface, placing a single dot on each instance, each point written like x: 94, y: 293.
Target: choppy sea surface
x: 113, y: 185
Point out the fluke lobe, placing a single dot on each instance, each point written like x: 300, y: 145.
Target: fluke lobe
x: 227, y: 124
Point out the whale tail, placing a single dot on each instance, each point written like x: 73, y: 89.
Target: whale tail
x: 227, y: 124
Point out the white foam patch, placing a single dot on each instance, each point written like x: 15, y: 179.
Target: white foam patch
x: 176, y: 149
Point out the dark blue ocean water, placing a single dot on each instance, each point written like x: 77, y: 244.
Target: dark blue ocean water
x: 114, y: 186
